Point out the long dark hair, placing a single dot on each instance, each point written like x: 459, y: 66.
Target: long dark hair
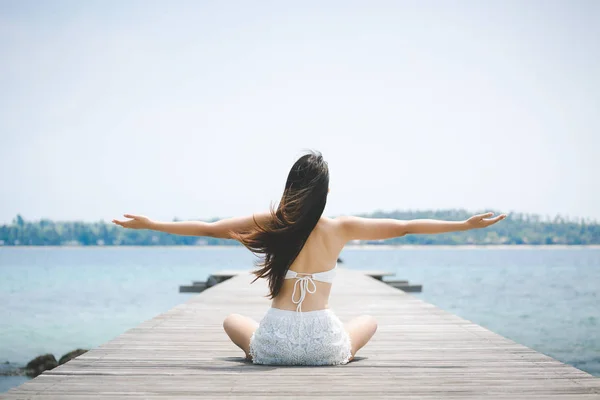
x: 282, y: 237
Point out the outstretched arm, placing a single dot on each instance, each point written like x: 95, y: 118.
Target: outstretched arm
x: 357, y: 228
x: 219, y: 229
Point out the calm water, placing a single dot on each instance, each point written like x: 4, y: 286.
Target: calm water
x: 57, y: 299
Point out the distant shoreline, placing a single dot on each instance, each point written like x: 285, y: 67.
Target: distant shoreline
x: 520, y: 230
x: 347, y: 247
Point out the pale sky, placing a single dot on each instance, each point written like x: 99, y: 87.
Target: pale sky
x: 198, y: 109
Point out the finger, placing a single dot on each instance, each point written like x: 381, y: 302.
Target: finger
x: 496, y: 219
x: 486, y: 215
x: 130, y: 216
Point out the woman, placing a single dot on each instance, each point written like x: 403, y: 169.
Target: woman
x: 300, y: 248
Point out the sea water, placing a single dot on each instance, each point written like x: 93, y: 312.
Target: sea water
x: 55, y: 300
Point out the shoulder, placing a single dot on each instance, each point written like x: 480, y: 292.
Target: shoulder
x: 346, y: 221
x: 327, y: 225
x: 329, y: 232
x: 361, y: 228
x: 331, y: 222
x: 341, y: 225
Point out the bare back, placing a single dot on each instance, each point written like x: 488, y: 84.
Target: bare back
x: 320, y: 253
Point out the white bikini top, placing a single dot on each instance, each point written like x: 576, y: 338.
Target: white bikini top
x: 305, y: 281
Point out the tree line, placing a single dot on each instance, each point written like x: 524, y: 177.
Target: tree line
x: 517, y: 229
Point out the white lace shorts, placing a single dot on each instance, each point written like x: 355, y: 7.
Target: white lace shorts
x: 300, y: 338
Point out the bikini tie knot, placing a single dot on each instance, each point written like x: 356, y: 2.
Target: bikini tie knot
x: 306, y: 284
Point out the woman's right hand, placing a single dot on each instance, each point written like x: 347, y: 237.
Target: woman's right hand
x: 136, y: 222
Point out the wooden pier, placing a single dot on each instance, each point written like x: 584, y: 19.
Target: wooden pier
x: 419, y: 352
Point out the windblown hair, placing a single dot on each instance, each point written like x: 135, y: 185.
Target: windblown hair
x: 282, y: 237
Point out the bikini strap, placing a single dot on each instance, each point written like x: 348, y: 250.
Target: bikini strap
x: 306, y: 284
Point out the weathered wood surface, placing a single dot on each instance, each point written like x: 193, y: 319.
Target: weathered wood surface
x: 419, y: 352
x: 379, y: 275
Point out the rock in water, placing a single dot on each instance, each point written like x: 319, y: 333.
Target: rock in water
x: 71, y: 355
x: 9, y: 369
x: 40, y: 364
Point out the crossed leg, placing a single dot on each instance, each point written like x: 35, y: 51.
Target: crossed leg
x: 240, y: 330
x: 361, y: 330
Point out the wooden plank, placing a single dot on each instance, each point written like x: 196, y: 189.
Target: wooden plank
x: 379, y: 275
x: 419, y: 352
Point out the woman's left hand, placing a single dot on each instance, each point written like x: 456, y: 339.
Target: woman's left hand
x: 136, y: 222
